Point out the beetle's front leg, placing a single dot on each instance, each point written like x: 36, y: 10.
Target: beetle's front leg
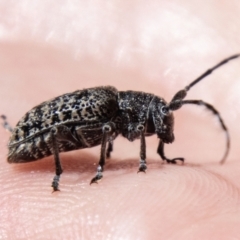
x: 108, y: 129
x: 160, y: 151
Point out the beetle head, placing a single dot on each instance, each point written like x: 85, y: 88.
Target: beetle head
x: 160, y: 120
x: 166, y: 130
x: 160, y: 116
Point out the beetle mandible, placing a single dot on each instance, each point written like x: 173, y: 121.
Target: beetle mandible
x: 96, y: 116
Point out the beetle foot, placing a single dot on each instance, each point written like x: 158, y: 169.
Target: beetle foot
x: 142, y: 166
x: 174, y: 160
x: 96, y: 178
x: 55, y: 183
x: 98, y: 175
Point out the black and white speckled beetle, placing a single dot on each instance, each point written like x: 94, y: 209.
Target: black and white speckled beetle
x: 95, y: 116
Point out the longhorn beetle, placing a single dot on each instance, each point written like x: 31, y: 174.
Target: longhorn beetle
x: 95, y: 116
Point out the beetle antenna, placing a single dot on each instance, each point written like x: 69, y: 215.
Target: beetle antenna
x: 209, y: 71
x: 176, y: 101
x: 217, y: 114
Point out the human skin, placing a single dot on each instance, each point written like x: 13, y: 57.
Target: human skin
x: 48, y: 49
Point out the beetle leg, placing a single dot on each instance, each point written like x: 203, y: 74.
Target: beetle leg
x: 160, y: 151
x: 6, y: 124
x: 58, y: 167
x: 109, y: 149
x: 142, y: 162
x: 108, y: 129
x: 63, y: 134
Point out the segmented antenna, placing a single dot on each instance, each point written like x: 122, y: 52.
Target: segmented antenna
x: 209, y: 71
x: 176, y: 101
x: 216, y: 113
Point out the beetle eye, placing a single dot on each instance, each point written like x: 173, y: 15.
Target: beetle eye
x: 164, y: 110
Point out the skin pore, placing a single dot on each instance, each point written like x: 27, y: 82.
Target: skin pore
x: 49, y: 48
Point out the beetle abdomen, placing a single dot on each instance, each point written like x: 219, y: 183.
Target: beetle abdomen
x: 41, y: 146
x: 31, y: 150
x: 83, y: 106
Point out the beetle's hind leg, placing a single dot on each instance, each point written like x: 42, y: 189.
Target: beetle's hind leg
x: 58, y: 167
x: 107, y: 129
x: 60, y: 133
x: 160, y: 151
x: 6, y: 124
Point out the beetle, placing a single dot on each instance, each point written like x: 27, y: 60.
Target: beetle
x: 96, y: 116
